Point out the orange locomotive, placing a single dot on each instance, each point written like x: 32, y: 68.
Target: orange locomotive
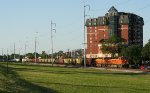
x: 119, y: 62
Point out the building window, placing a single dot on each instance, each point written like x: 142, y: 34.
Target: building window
x: 89, y: 24
x: 90, y: 41
x: 95, y: 30
x: 90, y: 52
x: 103, y: 18
x: 104, y: 36
x: 103, y: 22
x: 95, y: 35
x: 90, y: 30
x: 90, y: 27
x: 139, y: 37
x: 95, y: 27
x: 90, y: 38
x: 121, y: 21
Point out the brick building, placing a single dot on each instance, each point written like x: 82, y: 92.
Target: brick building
x: 128, y: 26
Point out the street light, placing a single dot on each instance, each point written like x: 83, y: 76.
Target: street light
x: 25, y: 50
x: 52, y: 29
x: 35, y: 56
x: 85, y: 6
x: 14, y: 52
x: 19, y: 50
x: 2, y: 54
x: 7, y: 60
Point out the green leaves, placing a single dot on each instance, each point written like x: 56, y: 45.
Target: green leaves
x: 146, y: 51
x: 133, y: 53
x: 113, y: 45
x: 115, y: 39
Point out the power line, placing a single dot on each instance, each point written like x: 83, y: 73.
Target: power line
x: 142, y: 8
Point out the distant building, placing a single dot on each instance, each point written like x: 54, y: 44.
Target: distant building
x: 77, y: 53
x: 128, y: 26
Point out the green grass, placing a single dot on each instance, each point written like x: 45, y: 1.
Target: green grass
x: 23, y: 78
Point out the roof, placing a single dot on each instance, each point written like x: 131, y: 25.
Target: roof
x: 112, y: 9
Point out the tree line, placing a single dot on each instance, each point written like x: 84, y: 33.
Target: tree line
x: 135, y: 54
x: 70, y: 54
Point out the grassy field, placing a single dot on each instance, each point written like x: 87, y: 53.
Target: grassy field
x: 23, y: 78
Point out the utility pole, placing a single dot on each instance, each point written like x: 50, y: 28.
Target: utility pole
x: 25, y: 51
x: 11, y: 52
x: 85, y: 33
x: 19, y: 51
x: 35, y: 56
x: 14, y: 52
x: 7, y: 60
x: 19, y: 54
x: 2, y: 54
x: 52, y: 29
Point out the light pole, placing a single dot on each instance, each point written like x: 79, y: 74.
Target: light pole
x: 2, y: 54
x: 35, y: 56
x: 20, y: 54
x: 14, y: 52
x: 11, y: 52
x: 25, y: 50
x: 85, y: 33
x: 7, y: 60
x: 52, y: 29
x: 20, y: 49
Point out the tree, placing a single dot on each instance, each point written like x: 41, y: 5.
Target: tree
x: 146, y: 51
x: 133, y: 54
x: 114, y: 39
x: 113, y: 45
x: 55, y: 55
x: 60, y: 53
x: 79, y: 53
x: 30, y: 55
x: 43, y: 55
x: 14, y: 55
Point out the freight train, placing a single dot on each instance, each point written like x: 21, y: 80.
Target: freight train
x: 73, y: 61
x: 104, y: 62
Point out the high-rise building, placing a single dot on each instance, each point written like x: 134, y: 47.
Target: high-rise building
x: 128, y: 26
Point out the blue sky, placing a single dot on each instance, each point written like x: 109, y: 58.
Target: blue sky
x: 21, y: 19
